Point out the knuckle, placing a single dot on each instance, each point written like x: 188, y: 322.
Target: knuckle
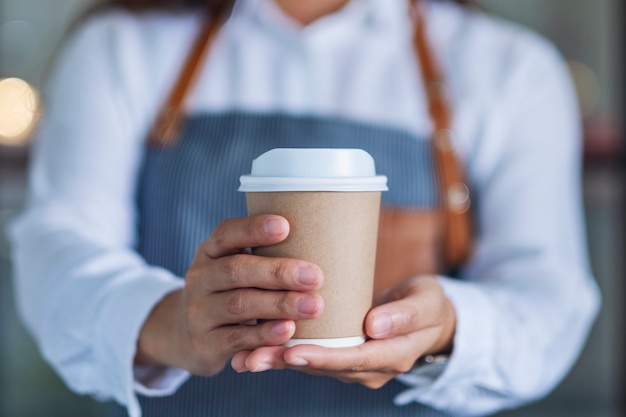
x: 205, y: 360
x: 192, y: 310
x: 408, y: 321
x: 197, y: 349
x: 194, y: 328
x: 232, y: 268
x: 236, y: 303
x: 361, y: 364
x: 191, y: 313
x: 263, y: 336
x: 235, y: 339
x: 403, y: 367
x: 279, y: 270
x: 191, y: 276
x: 216, y: 240
x: 283, y: 304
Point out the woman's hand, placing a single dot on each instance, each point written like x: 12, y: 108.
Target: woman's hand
x: 417, y: 319
x: 200, y: 327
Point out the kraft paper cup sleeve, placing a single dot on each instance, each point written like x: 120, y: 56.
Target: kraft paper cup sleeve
x: 337, y: 232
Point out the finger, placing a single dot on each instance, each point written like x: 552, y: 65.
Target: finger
x: 240, y: 338
x: 261, y: 359
x: 248, y: 271
x: 238, y: 361
x: 420, y: 308
x: 242, y: 305
x: 233, y: 235
x: 392, y: 355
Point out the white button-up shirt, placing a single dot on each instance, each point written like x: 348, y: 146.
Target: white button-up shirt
x: 526, y: 301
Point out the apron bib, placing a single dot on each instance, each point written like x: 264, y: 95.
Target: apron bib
x: 185, y: 190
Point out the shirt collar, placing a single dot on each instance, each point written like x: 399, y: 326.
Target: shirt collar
x: 374, y: 13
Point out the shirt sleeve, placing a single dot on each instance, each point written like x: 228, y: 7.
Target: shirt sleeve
x: 81, y: 288
x: 527, y: 300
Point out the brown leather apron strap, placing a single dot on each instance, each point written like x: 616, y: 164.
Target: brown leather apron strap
x: 455, y: 195
x: 168, y: 122
x: 457, y: 224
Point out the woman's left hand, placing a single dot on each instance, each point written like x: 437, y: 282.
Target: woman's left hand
x: 416, y: 319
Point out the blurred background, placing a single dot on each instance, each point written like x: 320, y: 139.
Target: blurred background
x: 590, y: 35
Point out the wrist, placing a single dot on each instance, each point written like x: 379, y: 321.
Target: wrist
x: 159, y: 342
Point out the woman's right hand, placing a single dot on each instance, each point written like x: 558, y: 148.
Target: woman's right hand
x: 200, y: 327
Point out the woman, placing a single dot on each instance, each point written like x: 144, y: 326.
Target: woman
x: 112, y: 225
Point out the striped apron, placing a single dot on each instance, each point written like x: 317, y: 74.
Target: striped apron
x: 186, y: 190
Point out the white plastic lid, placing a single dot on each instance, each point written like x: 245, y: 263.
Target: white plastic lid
x: 284, y: 169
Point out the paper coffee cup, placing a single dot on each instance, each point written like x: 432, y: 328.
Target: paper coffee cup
x: 331, y: 198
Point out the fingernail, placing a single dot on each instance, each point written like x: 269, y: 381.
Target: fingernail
x: 274, y: 227
x: 307, y: 305
x: 298, y: 361
x: 262, y: 367
x: 307, y: 276
x: 241, y: 370
x: 282, y: 329
x: 381, y: 324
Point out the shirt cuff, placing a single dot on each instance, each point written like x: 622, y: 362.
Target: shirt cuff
x: 158, y: 381
x: 473, y: 346
x: 117, y: 331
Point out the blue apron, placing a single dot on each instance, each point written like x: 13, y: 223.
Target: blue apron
x: 186, y: 190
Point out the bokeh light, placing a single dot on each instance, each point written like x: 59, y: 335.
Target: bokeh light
x: 19, y: 111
